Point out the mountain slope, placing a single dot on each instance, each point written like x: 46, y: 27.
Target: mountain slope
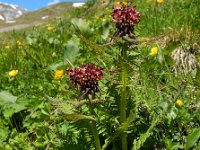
x: 46, y: 13
x: 9, y: 12
x: 35, y: 18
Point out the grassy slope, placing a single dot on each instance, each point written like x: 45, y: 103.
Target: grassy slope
x: 34, y: 18
x: 54, y: 11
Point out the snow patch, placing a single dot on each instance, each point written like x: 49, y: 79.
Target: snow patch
x: 20, y: 12
x: 53, y: 2
x: 44, y: 17
x: 13, y: 6
x: 2, y: 18
x: 78, y: 4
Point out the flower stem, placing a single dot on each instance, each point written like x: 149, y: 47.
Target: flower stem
x: 123, y: 102
x: 95, y: 131
x: 96, y: 136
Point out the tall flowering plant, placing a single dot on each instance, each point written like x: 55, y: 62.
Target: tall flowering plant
x: 86, y: 79
x: 125, y: 18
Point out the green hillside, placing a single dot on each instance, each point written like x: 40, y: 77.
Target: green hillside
x: 107, y: 76
x: 36, y: 17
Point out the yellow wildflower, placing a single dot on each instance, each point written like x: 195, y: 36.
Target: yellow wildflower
x: 58, y: 74
x: 96, y: 17
x: 19, y: 43
x: 119, y: 3
x: 160, y: 1
x: 50, y: 27
x: 125, y: 3
x: 154, y: 51
x: 7, y: 47
x: 13, y: 73
x: 179, y: 103
x: 103, y: 20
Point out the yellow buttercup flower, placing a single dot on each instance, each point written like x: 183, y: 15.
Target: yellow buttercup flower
x: 19, y: 43
x: 179, y: 103
x: 103, y: 20
x: 119, y: 3
x: 160, y: 1
x: 50, y: 27
x: 13, y: 73
x: 125, y: 3
x: 154, y: 51
x: 58, y: 74
x: 7, y: 47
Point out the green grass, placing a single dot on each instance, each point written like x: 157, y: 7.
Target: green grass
x: 39, y: 112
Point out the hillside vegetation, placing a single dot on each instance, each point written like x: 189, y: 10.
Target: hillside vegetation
x: 107, y: 76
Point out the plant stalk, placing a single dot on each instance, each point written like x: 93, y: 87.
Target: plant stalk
x: 123, y: 102
x: 96, y: 136
x: 95, y: 131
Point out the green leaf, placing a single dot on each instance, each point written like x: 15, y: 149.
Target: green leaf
x: 55, y: 66
x: 71, y: 52
x: 197, y: 77
x: 137, y: 144
x: 105, y: 32
x: 44, y: 112
x: 66, y: 108
x: 77, y: 117
x: 4, y: 132
x: 54, y: 41
x: 6, y: 97
x: 119, y: 131
x: 30, y: 40
x: 168, y: 143
x: 96, y: 49
x: 80, y: 24
x: 10, y: 104
x: 192, y: 138
x: 10, y: 109
x: 171, y: 47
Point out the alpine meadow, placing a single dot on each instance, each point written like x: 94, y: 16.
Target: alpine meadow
x: 110, y: 75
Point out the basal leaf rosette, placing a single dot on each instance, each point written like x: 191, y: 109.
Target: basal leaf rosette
x: 125, y: 19
x: 86, y: 77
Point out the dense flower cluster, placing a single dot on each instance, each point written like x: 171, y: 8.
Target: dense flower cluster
x: 125, y: 18
x: 86, y: 77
